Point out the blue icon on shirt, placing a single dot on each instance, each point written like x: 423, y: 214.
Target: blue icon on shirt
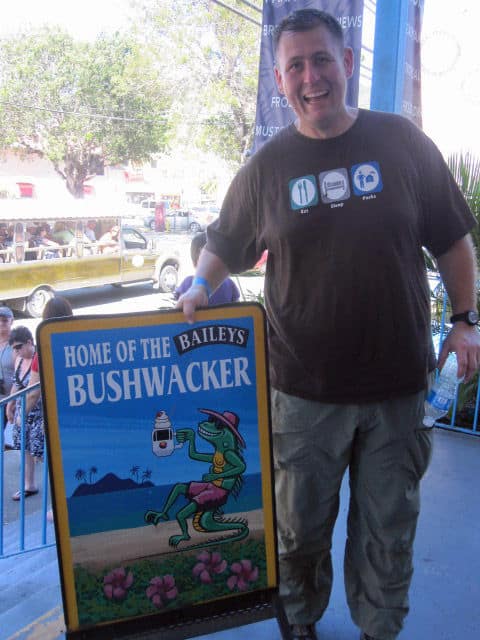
x: 366, y: 178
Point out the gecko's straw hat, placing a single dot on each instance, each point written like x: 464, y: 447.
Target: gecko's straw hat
x: 229, y: 419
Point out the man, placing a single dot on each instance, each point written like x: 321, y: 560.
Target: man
x: 90, y: 230
x: 344, y: 200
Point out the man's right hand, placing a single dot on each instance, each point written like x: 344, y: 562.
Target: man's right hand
x: 195, y: 297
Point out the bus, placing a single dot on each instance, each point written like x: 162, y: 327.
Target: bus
x: 49, y: 247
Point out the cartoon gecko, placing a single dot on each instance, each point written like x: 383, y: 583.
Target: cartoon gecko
x: 224, y: 478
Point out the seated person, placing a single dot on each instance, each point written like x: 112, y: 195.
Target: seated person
x: 3, y: 245
x: 90, y: 230
x: 109, y: 242
x: 43, y: 240
x: 62, y: 234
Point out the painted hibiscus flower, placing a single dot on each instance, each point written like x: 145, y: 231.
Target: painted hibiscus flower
x: 207, y: 565
x: 117, y: 583
x: 243, y: 575
x: 161, y: 589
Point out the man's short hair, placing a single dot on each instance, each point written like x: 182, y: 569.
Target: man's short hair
x: 306, y: 20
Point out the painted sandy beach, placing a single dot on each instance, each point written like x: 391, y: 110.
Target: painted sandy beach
x: 99, y: 550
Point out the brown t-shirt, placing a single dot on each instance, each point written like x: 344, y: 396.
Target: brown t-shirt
x: 344, y: 221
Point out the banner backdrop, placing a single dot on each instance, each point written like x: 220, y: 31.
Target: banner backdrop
x: 412, y: 86
x: 273, y: 110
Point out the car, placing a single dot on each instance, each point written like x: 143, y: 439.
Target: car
x: 188, y: 220
x: 148, y: 203
x: 149, y: 222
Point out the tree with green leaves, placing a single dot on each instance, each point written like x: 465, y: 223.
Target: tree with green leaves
x: 465, y: 168
x: 81, y: 104
x: 213, y: 63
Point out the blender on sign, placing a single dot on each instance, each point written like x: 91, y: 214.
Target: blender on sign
x: 163, y: 436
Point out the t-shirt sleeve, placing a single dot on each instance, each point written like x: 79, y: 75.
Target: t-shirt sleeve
x: 35, y: 363
x: 183, y: 287
x: 233, y: 236
x: 446, y: 214
x: 235, y: 291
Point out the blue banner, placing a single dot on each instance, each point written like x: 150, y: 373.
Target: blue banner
x: 273, y: 110
x: 412, y: 87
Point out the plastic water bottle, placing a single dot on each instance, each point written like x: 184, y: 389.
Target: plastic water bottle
x: 441, y: 395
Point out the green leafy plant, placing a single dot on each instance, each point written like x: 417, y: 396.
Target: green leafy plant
x: 465, y: 168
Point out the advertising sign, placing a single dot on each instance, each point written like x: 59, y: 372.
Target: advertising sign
x: 273, y: 110
x: 160, y: 461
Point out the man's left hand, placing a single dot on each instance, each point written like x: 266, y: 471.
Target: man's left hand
x: 465, y: 341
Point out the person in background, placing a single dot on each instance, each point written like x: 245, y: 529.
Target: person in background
x: 22, y: 343
x: 7, y: 358
x: 56, y: 307
x: 344, y: 199
x: 90, y: 230
x: 226, y: 292
x: 4, y: 253
x: 42, y: 239
x: 109, y: 242
x: 63, y: 234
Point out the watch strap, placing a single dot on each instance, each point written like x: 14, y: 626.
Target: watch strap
x: 465, y: 316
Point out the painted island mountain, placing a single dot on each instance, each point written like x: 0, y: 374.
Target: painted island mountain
x: 110, y: 483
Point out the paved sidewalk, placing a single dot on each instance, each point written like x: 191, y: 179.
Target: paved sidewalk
x: 445, y: 590
x: 11, y: 509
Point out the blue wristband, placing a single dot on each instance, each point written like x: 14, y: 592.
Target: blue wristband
x: 202, y: 282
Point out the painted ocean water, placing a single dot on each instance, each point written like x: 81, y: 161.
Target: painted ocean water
x: 126, y: 509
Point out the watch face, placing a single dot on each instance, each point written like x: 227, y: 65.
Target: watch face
x: 472, y: 317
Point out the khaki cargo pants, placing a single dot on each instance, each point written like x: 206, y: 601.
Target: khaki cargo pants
x: 386, y: 449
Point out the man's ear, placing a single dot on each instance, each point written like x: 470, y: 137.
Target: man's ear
x: 348, y: 62
x: 278, y: 80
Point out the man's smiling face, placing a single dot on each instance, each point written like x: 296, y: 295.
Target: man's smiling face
x: 311, y: 71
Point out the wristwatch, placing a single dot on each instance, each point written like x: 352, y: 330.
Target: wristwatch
x: 470, y: 317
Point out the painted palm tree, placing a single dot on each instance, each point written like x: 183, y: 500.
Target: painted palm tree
x: 134, y: 471
x: 80, y: 474
x: 92, y: 472
x: 146, y: 475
